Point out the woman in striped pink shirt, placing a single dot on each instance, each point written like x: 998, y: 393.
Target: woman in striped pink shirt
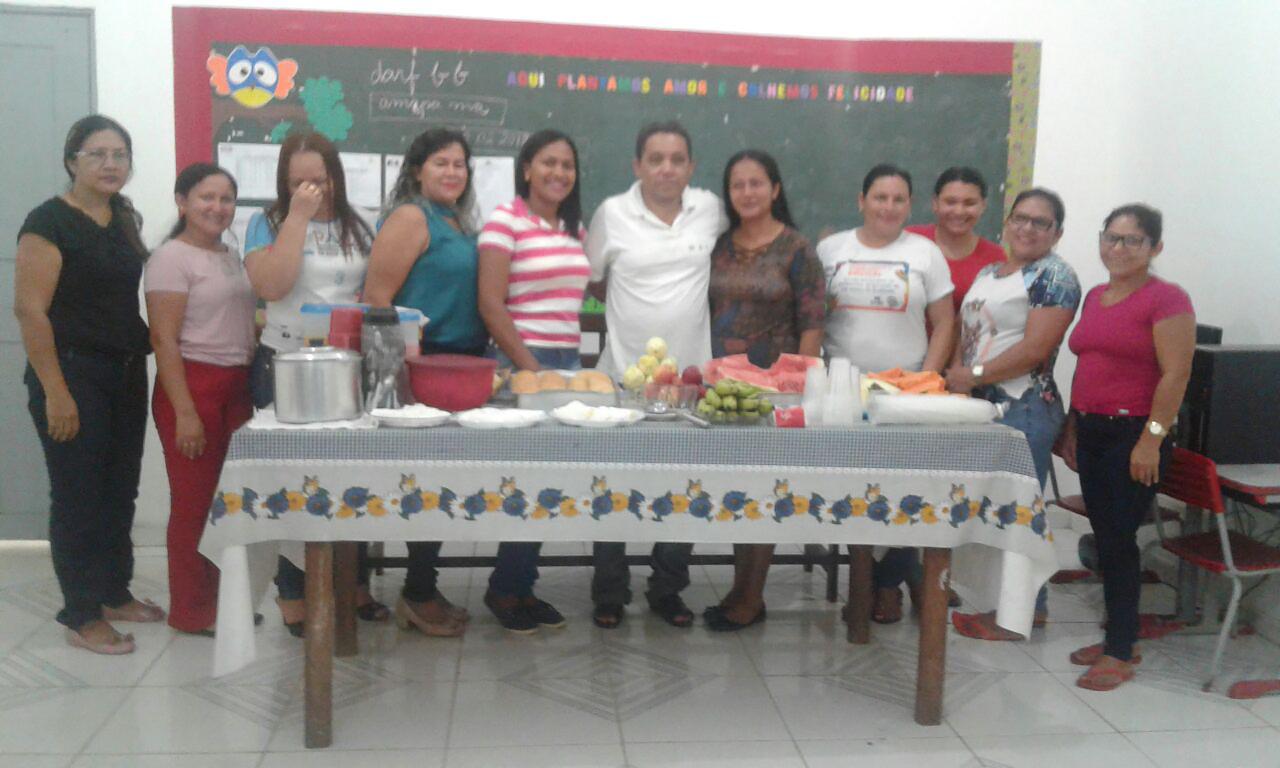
x: 533, y: 272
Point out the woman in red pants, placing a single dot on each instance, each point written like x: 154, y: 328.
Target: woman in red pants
x: 201, y: 309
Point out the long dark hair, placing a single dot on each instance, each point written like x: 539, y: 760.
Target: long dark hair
x: 570, y: 209
x: 353, y: 233
x: 407, y: 188
x: 122, y: 209
x: 188, y: 179
x: 779, y: 208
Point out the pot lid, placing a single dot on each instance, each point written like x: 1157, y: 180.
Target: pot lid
x: 317, y: 354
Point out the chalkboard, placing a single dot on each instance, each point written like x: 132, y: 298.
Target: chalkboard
x: 828, y: 110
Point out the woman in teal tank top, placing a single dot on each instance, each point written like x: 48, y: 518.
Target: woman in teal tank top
x: 424, y: 257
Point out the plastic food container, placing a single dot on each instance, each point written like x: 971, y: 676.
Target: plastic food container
x: 451, y: 382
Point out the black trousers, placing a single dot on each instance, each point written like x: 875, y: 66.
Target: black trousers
x: 1117, y: 506
x: 93, y: 479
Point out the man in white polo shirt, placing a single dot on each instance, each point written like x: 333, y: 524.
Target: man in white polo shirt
x: 651, y: 247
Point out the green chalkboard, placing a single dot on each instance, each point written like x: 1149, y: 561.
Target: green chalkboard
x: 825, y: 128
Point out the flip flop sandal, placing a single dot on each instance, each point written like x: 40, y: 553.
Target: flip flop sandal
x: 1105, y: 679
x: 1089, y: 655
x: 982, y: 626
x: 373, y: 611
x: 608, y: 615
x: 407, y: 618
x: 673, y: 611
x: 888, y: 606
x: 118, y: 645
x: 719, y: 622
x: 139, y: 611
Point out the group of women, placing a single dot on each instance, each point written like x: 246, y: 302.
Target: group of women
x: 512, y: 288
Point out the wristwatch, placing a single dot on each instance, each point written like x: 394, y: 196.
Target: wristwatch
x: 977, y: 373
x: 1156, y: 428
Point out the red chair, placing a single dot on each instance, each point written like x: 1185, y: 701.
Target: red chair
x: 1073, y: 503
x: 1193, y: 480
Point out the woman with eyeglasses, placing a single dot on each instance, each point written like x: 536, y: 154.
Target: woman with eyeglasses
x: 201, y: 308
x: 1011, y: 325
x: 78, y: 265
x: 308, y: 247
x: 889, y: 306
x: 1134, y: 345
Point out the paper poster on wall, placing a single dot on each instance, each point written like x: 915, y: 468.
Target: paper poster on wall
x: 495, y: 183
x: 364, y: 178
x: 253, y: 166
x: 235, y: 233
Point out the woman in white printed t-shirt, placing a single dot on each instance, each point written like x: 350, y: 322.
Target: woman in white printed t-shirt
x: 885, y: 289
x: 308, y: 247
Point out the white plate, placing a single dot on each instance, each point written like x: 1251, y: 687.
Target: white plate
x: 413, y: 422
x: 633, y: 417
x: 499, y: 418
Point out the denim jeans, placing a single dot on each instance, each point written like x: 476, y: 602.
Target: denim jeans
x: 554, y: 358
x: 1117, y: 505
x: 611, y: 581
x: 93, y: 479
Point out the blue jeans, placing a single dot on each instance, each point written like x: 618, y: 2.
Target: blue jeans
x: 1040, y: 421
x: 556, y: 358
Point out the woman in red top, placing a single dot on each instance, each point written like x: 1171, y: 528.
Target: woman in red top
x: 959, y: 200
x: 1134, y: 341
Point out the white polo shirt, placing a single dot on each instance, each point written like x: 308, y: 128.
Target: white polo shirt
x: 658, y: 275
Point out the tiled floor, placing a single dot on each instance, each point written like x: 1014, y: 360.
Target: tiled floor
x: 788, y: 693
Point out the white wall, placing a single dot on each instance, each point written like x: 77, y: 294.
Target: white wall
x: 1165, y: 101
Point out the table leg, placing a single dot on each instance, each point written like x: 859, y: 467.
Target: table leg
x: 931, y: 663
x: 858, y: 616
x: 318, y: 640
x: 344, y: 591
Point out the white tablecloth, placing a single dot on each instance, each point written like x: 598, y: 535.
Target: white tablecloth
x: 968, y: 488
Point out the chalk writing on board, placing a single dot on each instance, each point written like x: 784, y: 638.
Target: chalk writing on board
x: 440, y: 108
x: 496, y: 138
x: 438, y: 77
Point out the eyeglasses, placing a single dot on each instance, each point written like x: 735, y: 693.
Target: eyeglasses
x: 1133, y: 242
x: 1022, y: 221
x: 98, y: 157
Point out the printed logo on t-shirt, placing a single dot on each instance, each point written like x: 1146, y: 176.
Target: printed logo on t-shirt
x: 880, y: 286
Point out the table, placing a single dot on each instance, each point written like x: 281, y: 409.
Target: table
x: 967, y: 489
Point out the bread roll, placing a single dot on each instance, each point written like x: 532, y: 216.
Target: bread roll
x: 524, y: 382
x: 549, y: 380
x: 580, y: 382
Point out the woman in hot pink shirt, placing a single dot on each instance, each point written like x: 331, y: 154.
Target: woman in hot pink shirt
x: 1134, y: 341
x: 201, y: 309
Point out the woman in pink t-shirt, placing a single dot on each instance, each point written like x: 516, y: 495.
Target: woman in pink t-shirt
x: 1134, y: 344
x: 201, y: 308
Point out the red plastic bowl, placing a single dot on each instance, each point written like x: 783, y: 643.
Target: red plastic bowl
x: 451, y: 382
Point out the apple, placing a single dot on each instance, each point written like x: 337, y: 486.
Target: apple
x: 671, y: 361
x: 656, y: 347
x: 692, y: 375
x: 665, y: 375
x: 633, y: 378
x: 648, y: 364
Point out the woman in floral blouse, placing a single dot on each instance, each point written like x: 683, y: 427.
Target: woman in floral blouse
x: 767, y: 298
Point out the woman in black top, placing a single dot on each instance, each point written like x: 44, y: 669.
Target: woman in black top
x: 79, y: 262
